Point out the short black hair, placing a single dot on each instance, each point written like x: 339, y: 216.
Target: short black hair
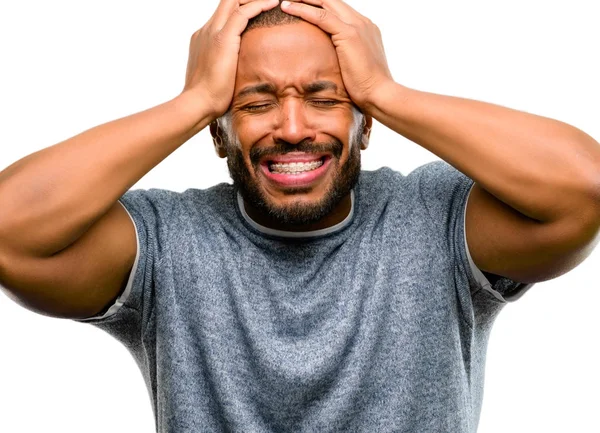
x: 271, y: 18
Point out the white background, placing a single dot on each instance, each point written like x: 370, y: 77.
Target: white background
x: 68, y: 66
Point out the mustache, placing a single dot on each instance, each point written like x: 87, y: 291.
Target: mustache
x: 334, y: 147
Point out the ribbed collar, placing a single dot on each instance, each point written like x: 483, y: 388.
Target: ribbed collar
x: 296, y: 235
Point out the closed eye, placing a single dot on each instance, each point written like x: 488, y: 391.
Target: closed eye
x: 324, y: 102
x: 317, y: 102
x: 257, y: 107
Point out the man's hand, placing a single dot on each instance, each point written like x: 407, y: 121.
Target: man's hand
x: 358, y: 44
x: 214, y: 50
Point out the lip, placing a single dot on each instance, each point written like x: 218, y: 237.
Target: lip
x: 296, y: 180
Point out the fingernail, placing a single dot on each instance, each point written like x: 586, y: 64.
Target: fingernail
x: 285, y: 4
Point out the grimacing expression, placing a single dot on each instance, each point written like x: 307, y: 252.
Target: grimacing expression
x: 292, y: 134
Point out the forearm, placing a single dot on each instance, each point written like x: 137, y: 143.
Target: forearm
x: 51, y: 197
x: 541, y: 167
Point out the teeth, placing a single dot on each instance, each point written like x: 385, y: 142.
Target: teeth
x: 295, y: 167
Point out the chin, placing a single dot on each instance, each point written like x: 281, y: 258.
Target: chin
x: 297, y: 208
x: 307, y: 202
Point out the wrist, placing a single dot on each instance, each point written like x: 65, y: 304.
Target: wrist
x: 196, y: 108
x: 383, y: 95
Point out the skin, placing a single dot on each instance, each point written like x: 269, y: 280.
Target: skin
x: 273, y: 104
x: 67, y: 253
x: 534, y: 212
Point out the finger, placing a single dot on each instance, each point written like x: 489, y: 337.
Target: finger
x: 238, y: 20
x: 326, y: 20
x: 338, y: 7
x: 223, y: 12
x: 243, y: 2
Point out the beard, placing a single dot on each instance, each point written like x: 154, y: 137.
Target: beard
x: 298, y: 213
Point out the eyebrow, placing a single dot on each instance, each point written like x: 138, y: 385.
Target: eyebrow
x: 314, y: 87
x: 256, y: 89
x: 318, y: 86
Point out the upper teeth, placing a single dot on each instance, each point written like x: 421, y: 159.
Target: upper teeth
x: 295, y: 167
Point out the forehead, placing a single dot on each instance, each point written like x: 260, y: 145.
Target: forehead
x: 287, y: 55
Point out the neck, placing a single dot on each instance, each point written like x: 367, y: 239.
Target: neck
x: 336, y: 216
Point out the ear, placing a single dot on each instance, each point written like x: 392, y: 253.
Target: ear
x: 217, y: 135
x: 366, y: 132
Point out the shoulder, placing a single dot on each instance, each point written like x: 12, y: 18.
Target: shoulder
x: 167, y: 204
x: 430, y: 177
x: 435, y: 173
x: 433, y: 190
x: 380, y: 180
x: 438, y: 182
x: 217, y: 195
x: 149, y: 203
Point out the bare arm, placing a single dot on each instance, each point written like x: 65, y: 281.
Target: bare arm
x: 60, y: 221
x: 51, y: 197
x: 534, y: 212
x: 66, y: 244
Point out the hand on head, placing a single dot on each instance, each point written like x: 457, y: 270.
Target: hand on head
x: 293, y: 130
x: 358, y: 44
x: 214, y: 48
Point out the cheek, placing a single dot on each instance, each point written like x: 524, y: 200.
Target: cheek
x: 252, y: 128
x: 335, y: 124
x: 328, y: 125
x: 247, y: 135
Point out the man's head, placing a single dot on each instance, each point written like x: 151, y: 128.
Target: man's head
x: 292, y: 136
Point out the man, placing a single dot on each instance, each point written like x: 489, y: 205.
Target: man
x: 318, y: 298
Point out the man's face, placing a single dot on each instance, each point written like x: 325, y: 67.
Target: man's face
x: 293, y: 143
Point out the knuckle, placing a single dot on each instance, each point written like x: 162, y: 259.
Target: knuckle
x: 198, y: 33
x: 354, y: 32
x: 218, y: 39
x: 323, y: 15
x: 363, y: 24
x: 237, y: 11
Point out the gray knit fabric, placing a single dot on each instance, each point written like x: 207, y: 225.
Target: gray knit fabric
x: 381, y: 326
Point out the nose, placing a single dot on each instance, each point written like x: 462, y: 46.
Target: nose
x: 292, y: 123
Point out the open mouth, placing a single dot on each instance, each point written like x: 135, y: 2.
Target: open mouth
x: 295, y: 170
x: 295, y: 167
